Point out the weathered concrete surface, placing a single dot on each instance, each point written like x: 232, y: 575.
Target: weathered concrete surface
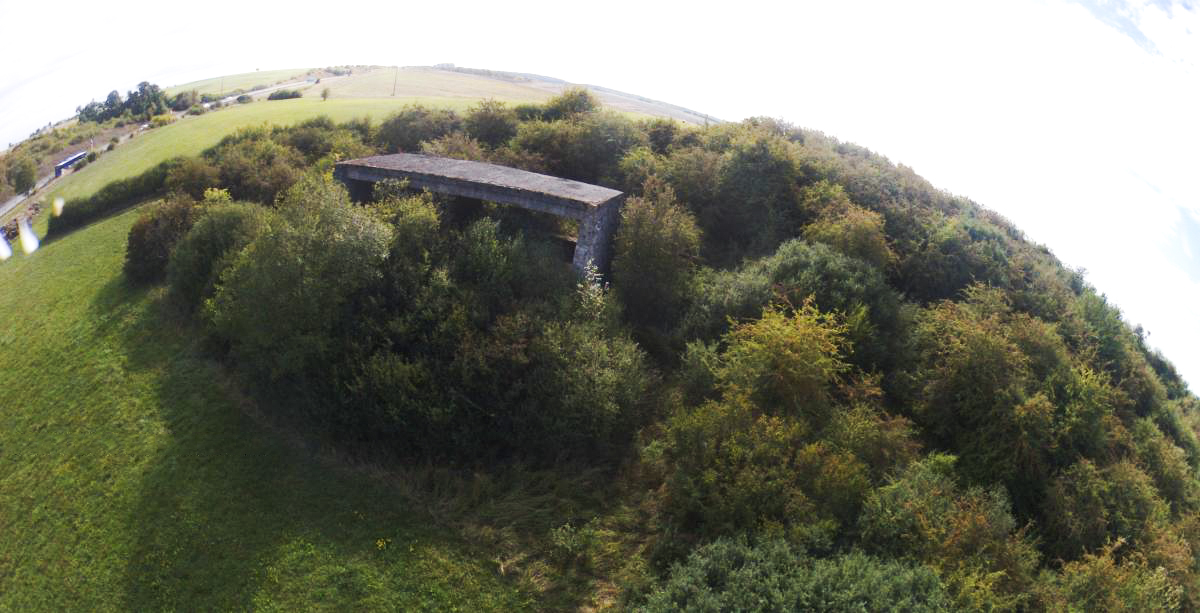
x: 597, y: 208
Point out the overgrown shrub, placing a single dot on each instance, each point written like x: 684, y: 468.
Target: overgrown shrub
x: 657, y: 248
x: 192, y: 176
x: 1087, y: 507
x: 409, y: 127
x: 210, y: 247
x: 573, y: 101
x: 257, y: 168
x: 153, y: 237
x: 587, y: 148
x: 1097, y: 582
x: 285, y: 94
x: 491, y: 122
x: 969, y: 535
x: 732, y: 575
x: 794, y: 272
x: 281, y: 297
x: 752, y: 459
x: 855, y: 232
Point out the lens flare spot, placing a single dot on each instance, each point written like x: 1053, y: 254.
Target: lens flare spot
x: 29, y: 240
x: 5, y: 250
x: 58, y: 206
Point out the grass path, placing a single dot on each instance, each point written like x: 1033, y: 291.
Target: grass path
x: 130, y: 479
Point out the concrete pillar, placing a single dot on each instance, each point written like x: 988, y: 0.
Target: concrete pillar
x: 595, y: 241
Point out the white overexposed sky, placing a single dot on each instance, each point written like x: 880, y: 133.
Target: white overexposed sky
x: 1079, y: 120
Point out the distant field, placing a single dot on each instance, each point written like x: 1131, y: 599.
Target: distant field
x: 358, y: 95
x: 131, y: 478
x: 238, y: 81
x: 191, y: 135
x: 424, y: 82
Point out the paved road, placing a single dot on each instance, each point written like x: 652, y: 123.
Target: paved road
x: 12, y: 203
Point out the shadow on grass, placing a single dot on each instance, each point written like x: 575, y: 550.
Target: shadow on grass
x: 231, y: 517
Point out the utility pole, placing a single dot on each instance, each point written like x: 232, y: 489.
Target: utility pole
x: 394, y: 79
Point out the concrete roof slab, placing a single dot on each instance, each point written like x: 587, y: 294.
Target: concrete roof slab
x: 490, y: 175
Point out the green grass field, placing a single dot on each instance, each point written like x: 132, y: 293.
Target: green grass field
x: 131, y: 478
x: 191, y: 135
x: 245, y: 81
x: 426, y: 83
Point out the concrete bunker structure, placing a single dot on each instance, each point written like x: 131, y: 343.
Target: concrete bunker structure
x: 596, y: 208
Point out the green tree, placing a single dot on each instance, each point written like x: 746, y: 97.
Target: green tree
x: 758, y: 198
x: 573, y: 101
x: 280, y: 300
x: 658, y: 246
x: 409, y: 127
x: 210, y: 247
x: 491, y: 122
x: 857, y: 233
x: 325, y: 94
x: 192, y: 177
x: 153, y: 237
x: 21, y: 173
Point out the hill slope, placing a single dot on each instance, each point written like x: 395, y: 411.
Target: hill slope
x: 131, y: 479
x: 886, y: 386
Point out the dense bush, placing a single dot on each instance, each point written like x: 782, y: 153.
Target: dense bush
x: 573, y: 101
x: 282, y: 295
x: 21, y: 172
x: 185, y: 100
x: 754, y: 458
x: 657, y: 249
x: 796, y: 271
x: 758, y: 198
x: 1098, y: 582
x: 153, y: 237
x: 969, y: 535
x: 491, y: 122
x: 855, y: 232
x: 258, y: 168
x: 318, y: 137
x: 1088, y: 507
x: 587, y: 148
x: 730, y: 575
x: 210, y: 247
x: 192, y: 176
x: 409, y: 127
x: 285, y: 94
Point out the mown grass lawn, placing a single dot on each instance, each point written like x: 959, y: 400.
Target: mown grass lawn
x: 131, y: 477
x: 192, y: 135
